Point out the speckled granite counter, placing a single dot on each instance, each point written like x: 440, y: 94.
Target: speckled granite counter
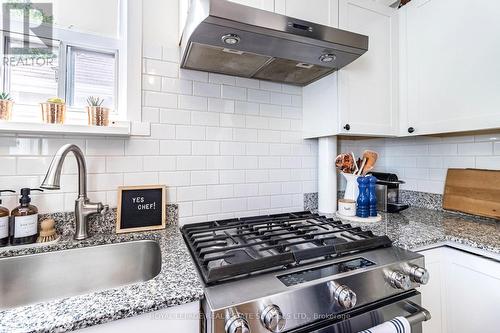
x: 176, y: 284
x: 417, y: 228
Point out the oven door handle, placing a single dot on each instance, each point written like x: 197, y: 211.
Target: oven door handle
x: 418, y: 313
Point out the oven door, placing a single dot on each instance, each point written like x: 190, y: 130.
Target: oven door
x: 366, y: 317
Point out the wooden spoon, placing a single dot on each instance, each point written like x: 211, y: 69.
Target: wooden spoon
x: 371, y: 158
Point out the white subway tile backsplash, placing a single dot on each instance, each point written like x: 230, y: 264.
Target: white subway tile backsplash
x: 142, y: 178
x: 269, y: 136
x: 116, y: 164
x: 177, y: 86
x: 151, y: 82
x: 104, y: 182
x: 220, y: 105
x: 160, y: 99
x: 271, y: 86
x: 219, y: 134
x: 190, y: 132
x: 269, y: 110
x: 246, y: 190
x: 193, y: 103
x: 257, y: 149
x: 175, y: 178
x: 232, y: 148
x: 159, y: 163
x: 175, y: 147
x: 220, y: 191
x: 488, y: 162
x: 191, y: 162
x: 259, y: 202
x: 206, y: 148
x: 475, y: 149
x: 191, y: 193
x: 221, y: 79
x: 247, y: 83
x: 188, y: 74
x: 232, y: 120
x: 246, y: 162
x: 234, y: 93
x: 245, y: 135
x: 205, y: 118
x: 256, y: 176
x: 206, y: 207
x: 206, y: 89
x: 270, y: 188
x: 7, y: 166
x: 234, y: 205
x: 232, y: 176
x: 256, y: 122
x: 175, y: 117
x: 163, y: 68
x: 105, y: 147
x: 142, y: 147
x: 259, y: 96
x: 162, y: 131
x: 246, y: 108
x: 269, y: 162
x: 220, y: 162
x: 281, y: 99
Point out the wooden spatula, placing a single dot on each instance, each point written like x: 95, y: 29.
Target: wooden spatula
x: 371, y: 158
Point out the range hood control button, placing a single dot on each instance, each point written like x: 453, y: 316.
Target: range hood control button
x: 236, y: 323
x: 399, y: 280
x: 343, y: 295
x: 419, y: 274
x: 272, y: 319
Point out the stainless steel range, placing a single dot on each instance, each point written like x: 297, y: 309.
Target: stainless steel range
x: 302, y: 272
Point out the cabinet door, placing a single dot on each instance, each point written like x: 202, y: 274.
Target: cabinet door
x: 261, y: 4
x: 324, y: 12
x: 368, y: 87
x: 452, y: 55
x: 473, y: 293
x: 433, y: 293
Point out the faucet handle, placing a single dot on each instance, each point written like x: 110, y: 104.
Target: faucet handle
x: 105, y: 209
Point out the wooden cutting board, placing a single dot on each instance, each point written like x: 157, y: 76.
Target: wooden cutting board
x: 473, y: 191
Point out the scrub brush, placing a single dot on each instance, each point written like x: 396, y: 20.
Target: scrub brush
x: 48, y: 231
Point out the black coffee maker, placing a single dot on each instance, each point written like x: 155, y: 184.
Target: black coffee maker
x: 388, y: 192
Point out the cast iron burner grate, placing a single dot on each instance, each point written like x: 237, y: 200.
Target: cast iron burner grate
x: 233, y: 248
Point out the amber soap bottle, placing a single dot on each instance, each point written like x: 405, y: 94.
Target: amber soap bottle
x: 24, y: 220
x: 4, y: 222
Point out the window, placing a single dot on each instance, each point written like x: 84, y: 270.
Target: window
x: 90, y: 73
x: 31, y: 80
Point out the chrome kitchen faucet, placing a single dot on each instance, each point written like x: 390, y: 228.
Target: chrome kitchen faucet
x: 83, y: 207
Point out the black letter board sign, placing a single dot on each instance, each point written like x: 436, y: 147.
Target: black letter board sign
x: 141, y: 208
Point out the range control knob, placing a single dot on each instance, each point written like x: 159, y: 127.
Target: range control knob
x: 237, y: 323
x: 272, y: 319
x: 419, y: 274
x: 343, y: 295
x: 399, y: 280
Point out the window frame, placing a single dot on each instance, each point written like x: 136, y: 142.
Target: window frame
x: 69, y: 74
x: 128, y: 61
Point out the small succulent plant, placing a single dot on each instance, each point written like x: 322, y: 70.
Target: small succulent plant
x: 94, y: 101
x: 56, y: 100
x: 5, y: 96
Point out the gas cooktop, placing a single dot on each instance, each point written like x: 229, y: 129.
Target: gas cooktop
x: 230, y: 249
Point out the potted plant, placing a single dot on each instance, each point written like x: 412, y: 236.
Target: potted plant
x: 54, y: 111
x: 6, y: 104
x: 98, y: 114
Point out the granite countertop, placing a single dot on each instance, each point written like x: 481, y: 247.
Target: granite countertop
x: 176, y: 284
x: 417, y: 228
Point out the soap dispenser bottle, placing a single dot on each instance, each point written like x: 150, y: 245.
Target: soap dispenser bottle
x: 4, y: 222
x: 24, y: 220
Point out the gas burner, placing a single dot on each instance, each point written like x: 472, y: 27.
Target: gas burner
x: 229, y: 249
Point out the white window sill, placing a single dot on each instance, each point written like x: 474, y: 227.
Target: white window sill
x: 122, y: 129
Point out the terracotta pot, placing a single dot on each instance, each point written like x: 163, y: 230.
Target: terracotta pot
x: 6, y: 109
x: 53, y: 113
x: 98, y: 115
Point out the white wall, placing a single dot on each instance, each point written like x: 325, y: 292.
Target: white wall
x: 224, y: 146
x: 422, y: 161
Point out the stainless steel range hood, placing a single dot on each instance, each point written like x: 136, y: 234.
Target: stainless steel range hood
x: 224, y: 37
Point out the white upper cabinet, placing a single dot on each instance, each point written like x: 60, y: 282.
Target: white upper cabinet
x: 260, y: 4
x: 324, y: 12
x: 368, y: 87
x: 361, y: 98
x: 452, y: 71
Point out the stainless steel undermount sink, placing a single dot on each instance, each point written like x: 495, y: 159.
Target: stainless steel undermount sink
x: 52, y: 275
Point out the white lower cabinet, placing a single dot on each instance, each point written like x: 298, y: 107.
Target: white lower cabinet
x: 182, y: 318
x: 463, y: 294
